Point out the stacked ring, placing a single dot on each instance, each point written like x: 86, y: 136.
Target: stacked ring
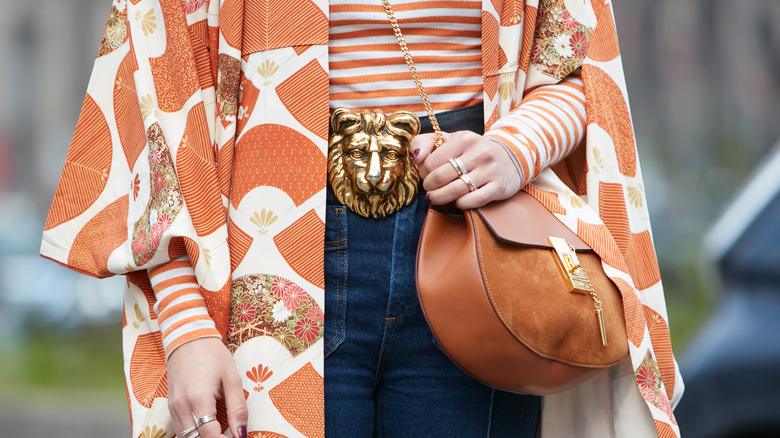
x: 460, y: 168
x: 203, y: 420
x: 188, y: 431
x: 469, y: 182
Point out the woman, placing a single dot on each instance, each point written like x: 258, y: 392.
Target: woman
x: 214, y: 152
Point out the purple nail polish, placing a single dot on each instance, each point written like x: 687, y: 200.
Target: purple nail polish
x: 242, y: 432
x: 416, y: 154
x: 427, y: 196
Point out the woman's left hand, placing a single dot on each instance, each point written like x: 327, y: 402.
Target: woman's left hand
x: 487, y: 163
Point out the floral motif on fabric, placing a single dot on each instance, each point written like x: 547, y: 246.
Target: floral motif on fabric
x: 191, y: 6
x: 165, y: 199
x: 135, y: 186
x: 147, y: 106
x: 263, y: 220
x: 247, y: 95
x: 648, y: 379
x: 269, y: 305
x: 635, y: 197
x: 598, y: 162
x: 560, y: 41
x: 258, y: 375
x: 116, y: 29
x: 267, y: 70
x: 148, y: 21
x: 229, y: 71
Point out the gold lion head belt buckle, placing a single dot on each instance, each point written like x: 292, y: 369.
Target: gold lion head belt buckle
x: 370, y: 164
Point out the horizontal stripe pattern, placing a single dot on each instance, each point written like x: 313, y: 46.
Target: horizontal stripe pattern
x: 545, y: 127
x: 181, y: 309
x: 367, y: 68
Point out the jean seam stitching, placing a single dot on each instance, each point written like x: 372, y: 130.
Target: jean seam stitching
x: 328, y: 349
x: 343, y: 303
x: 402, y: 314
x: 385, y: 343
x: 341, y: 291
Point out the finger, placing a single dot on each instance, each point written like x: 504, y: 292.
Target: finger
x: 237, y: 412
x: 210, y: 429
x: 203, y: 407
x: 422, y: 146
x: 455, y: 189
x: 188, y: 429
x: 478, y: 198
x: 189, y: 432
x: 454, y: 146
x: 181, y: 414
x: 179, y: 427
x: 442, y: 175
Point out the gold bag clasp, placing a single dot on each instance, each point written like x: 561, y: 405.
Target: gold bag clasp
x: 569, y: 266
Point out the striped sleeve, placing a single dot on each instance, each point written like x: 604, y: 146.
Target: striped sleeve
x: 181, y: 309
x: 545, y: 127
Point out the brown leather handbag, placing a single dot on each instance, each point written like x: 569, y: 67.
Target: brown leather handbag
x: 512, y: 308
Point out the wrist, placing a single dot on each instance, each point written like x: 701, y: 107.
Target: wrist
x: 184, y: 343
x: 512, y: 157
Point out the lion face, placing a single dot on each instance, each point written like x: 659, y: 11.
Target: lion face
x: 373, y: 163
x: 369, y: 162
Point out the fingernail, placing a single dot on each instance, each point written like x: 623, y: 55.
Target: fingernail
x: 242, y: 432
x: 416, y: 154
x: 427, y: 196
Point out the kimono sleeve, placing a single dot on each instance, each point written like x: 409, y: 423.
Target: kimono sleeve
x: 142, y: 142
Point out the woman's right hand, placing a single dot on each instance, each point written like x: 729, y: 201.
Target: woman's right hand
x: 200, y: 372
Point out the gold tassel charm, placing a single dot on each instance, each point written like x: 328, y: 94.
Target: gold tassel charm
x: 600, y: 317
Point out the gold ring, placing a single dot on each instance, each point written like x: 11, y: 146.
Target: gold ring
x: 460, y: 168
x: 203, y: 420
x: 469, y: 182
x: 188, y: 430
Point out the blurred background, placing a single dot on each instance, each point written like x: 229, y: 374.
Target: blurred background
x: 704, y: 81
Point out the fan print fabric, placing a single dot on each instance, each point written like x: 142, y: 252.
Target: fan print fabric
x: 204, y: 134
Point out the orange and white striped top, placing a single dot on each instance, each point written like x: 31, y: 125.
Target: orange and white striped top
x: 367, y: 68
x: 180, y: 307
x: 367, y: 71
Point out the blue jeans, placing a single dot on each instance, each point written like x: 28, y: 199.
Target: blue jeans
x: 384, y: 375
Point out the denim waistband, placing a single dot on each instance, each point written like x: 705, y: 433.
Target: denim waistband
x: 469, y: 118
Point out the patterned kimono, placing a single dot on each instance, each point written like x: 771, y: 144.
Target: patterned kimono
x: 204, y: 132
